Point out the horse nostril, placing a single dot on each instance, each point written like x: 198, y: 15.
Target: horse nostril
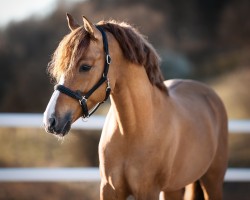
x: 52, y: 121
x: 52, y: 124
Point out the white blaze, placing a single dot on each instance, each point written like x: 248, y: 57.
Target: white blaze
x: 52, y: 103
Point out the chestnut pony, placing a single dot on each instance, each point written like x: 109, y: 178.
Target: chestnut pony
x: 158, y: 136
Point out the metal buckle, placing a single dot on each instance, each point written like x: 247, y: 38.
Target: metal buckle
x: 83, y: 99
x: 108, y: 59
x: 82, y: 102
x: 108, y: 84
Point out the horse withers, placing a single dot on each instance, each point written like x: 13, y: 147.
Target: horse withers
x: 158, y: 136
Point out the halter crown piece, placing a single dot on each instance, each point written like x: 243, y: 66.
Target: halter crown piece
x: 83, y: 99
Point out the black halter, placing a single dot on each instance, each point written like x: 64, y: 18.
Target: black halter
x: 83, y: 99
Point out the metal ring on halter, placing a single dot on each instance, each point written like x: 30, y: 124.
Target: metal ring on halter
x: 85, y: 119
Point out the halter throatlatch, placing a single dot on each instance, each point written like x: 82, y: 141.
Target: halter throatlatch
x: 83, y: 99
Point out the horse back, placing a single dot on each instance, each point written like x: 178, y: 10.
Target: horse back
x: 195, y: 103
x: 192, y: 96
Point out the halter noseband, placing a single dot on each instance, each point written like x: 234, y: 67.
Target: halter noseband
x: 83, y: 99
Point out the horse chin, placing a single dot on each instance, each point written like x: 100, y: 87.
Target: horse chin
x: 65, y: 129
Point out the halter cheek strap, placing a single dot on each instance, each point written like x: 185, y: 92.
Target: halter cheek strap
x: 83, y: 99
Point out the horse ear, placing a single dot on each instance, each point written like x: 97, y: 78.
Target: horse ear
x: 89, y: 27
x: 71, y: 22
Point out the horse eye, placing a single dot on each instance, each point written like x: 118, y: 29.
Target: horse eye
x: 84, y: 68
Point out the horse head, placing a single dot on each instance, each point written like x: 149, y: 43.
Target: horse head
x: 80, y: 66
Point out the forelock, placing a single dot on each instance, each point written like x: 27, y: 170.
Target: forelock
x: 68, y: 53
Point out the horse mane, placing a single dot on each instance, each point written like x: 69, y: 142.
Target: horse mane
x: 134, y: 46
x: 136, y: 49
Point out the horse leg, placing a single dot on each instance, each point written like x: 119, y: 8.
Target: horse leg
x: 175, y: 195
x: 108, y: 193
x: 212, y: 187
x: 194, y: 191
x: 212, y: 184
x: 212, y: 181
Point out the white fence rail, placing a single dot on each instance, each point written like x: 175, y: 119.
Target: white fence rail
x: 36, y: 121
x: 88, y: 174
x: 93, y: 123
x: 85, y: 174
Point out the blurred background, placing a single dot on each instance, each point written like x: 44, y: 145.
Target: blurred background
x: 205, y: 40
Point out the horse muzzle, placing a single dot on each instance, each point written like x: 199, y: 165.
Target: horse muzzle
x: 57, y: 126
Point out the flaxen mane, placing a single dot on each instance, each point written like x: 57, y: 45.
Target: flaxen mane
x: 134, y: 47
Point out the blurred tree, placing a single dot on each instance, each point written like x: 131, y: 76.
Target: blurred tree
x: 23, y: 61
x: 205, y: 38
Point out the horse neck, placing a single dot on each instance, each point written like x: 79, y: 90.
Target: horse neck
x: 132, y: 98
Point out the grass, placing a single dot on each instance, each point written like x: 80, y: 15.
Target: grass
x: 28, y: 147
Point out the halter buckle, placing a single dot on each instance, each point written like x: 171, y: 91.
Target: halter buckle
x: 108, y: 84
x: 83, y: 99
x: 108, y: 59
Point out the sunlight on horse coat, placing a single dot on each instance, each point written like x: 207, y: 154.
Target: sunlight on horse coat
x: 158, y: 136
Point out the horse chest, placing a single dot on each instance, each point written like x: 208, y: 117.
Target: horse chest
x: 130, y: 162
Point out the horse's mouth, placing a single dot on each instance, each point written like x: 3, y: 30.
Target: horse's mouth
x: 66, y: 128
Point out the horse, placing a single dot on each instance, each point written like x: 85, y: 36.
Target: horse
x: 159, y: 136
